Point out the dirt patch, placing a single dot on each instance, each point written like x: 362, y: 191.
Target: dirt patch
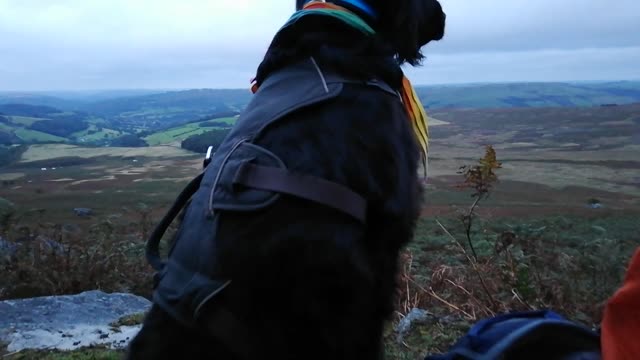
x: 11, y: 176
x: 128, y: 172
x: 61, y: 180
x: 177, y: 180
x: 106, y: 178
x: 525, y: 211
x: 436, y: 122
x: 52, y: 151
x: 519, y: 145
x: 523, y: 199
x: 618, y: 123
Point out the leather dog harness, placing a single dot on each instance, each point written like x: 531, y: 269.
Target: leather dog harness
x: 242, y: 177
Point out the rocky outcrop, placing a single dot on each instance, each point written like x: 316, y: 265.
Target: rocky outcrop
x: 69, y: 322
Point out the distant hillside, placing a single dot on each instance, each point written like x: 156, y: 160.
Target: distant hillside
x: 176, y: 135
x: 87, y: 96
x: 168, y: 109
x: 32, y: 124
x: 22, y: 125
x: 563, y: 128
x: 27, y: 110
x: 36, y: 99
x: 146, y: 112
x: 174, y: 106
x: 530, y: 95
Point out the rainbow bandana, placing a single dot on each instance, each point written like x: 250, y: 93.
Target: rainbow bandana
x: 412, y: 104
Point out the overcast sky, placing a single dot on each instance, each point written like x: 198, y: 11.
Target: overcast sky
x: 122, y: 44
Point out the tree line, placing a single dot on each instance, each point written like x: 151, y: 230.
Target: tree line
x: 200, y: 143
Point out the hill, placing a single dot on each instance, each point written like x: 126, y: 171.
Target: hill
x: 133, y: 117
x: 161, y: 111
x: 177, y: 134
x: 131, y: 111
x: 591, y: 148
x: 530, y: 95
x: 31, y: 124
x: 89, y: 96
x: 577, y: 128
x: 27, y: 98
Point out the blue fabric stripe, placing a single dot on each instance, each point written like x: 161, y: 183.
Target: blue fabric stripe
x: 362, y: 5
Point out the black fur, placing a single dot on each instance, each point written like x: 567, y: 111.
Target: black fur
x: 310, y: 282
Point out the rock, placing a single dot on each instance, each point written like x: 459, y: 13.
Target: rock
x: 83, y: 211
x: 415, y: 317
x: 69, y: 322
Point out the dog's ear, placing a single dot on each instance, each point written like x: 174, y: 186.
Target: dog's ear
x: 409, y: 25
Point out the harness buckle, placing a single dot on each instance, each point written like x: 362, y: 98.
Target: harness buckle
x: 207, y: 158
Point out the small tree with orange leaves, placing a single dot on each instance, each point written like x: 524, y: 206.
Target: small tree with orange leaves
x: 481, y: 178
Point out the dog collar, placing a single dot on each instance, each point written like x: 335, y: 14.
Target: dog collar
x: 362, y: 5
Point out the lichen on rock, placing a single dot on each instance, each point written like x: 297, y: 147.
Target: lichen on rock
x: 70, y: 322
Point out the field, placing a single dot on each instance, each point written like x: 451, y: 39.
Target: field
x: 24, y: 120
x: 176, y: 134
x: 37, y: 136
x: 58, y: 178
x: 98, y: 130
x: 557, y: 163
x: 22, y: 129
x: 19, y: 126
x: 551, y: 180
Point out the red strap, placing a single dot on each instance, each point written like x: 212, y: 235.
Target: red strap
x: 620, y: 331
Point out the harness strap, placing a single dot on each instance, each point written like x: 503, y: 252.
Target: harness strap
x: 304, y: 186
x: 152, y: 248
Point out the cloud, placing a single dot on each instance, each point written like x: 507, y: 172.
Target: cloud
x: 79, y: 44
x: 146, y: 23
x: 517, y: 25
x: 530, y: 65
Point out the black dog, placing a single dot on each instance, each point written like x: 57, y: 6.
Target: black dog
x: 309, y: 282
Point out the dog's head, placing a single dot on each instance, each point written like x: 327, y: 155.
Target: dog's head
x: 408, y: 25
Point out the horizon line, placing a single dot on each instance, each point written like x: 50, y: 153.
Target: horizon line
x: 177, y: 89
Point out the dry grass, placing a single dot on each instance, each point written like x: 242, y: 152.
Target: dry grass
x: 52, y: 151
x: 50, y: 259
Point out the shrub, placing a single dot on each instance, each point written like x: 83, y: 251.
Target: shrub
x: 53, y: 259
x: 11, y: 154
x: 128, y: 140
x: 569, y: 264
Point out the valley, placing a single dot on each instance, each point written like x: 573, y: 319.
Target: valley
x: 96, y: 181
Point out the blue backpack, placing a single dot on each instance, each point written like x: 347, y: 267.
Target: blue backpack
x: 525, y: 335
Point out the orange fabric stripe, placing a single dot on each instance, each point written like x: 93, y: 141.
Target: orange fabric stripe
x: 620, y: 330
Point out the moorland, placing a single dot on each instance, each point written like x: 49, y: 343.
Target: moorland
x: 555, y: 230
